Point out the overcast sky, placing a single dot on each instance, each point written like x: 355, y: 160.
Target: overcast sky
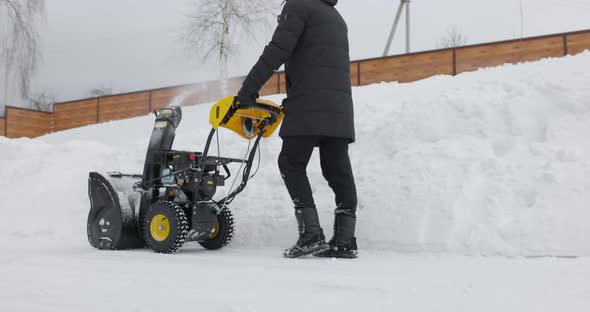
x: 130, y: 45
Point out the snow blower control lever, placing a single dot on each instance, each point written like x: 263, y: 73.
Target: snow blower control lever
x: 172, y: 201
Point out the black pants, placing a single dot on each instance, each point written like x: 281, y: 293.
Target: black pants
x: 336, y: 168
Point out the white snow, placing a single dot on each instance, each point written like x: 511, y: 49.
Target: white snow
x: 463, y: 182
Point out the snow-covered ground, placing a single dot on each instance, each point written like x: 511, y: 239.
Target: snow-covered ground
x: 73, y: 277
x: 474, y: 195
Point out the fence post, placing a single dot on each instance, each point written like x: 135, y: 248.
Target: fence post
x: 6, y: 121
x: 150, y: 102
x: 52, y: 122
x: 454, y: 61
x: 359, y: 72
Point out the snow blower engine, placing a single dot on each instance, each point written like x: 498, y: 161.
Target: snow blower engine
x: 172, y: 201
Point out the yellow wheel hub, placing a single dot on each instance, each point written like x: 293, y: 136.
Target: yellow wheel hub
x: 160, y: 227
x: 214, y: 233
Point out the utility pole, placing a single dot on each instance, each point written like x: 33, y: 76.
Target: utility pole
x: 402, y: 4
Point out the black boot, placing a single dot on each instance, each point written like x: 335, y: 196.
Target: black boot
x: 343, y: 244
x: 311, y: 237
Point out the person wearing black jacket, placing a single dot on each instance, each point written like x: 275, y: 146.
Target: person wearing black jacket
x: 312, y: 41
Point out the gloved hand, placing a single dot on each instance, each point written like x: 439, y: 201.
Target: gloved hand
x: 246, y: 98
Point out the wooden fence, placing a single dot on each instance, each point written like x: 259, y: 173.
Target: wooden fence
x: 402, y: 68
x: 22, y: 122
x: 2, y: 126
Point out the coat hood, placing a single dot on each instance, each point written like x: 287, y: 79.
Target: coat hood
x: 331, y: 2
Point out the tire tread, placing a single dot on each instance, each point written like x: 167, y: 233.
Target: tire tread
x: 181, y: 222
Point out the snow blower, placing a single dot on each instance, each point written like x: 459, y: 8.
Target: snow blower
x: 172, y: 201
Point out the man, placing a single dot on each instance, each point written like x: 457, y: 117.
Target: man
x: 312, y: 41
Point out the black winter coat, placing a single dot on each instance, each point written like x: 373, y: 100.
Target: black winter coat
x: 312, y: 41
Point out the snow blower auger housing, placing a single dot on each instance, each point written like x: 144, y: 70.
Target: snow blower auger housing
x: 172, y: 201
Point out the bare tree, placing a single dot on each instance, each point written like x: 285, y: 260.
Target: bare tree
x: 215, y: 24
x: 453, y: 38
x: 19, y: 43
x: 42, y: 101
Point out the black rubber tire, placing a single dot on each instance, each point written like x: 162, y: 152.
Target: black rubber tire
x: 178, y: 227
x: 225, y: 234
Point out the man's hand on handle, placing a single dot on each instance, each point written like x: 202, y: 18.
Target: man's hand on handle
x: 245, y: 98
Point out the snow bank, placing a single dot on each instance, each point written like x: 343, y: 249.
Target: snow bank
x: 494, y: 162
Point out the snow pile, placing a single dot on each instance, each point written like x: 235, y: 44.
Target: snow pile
x: 494, y: 162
